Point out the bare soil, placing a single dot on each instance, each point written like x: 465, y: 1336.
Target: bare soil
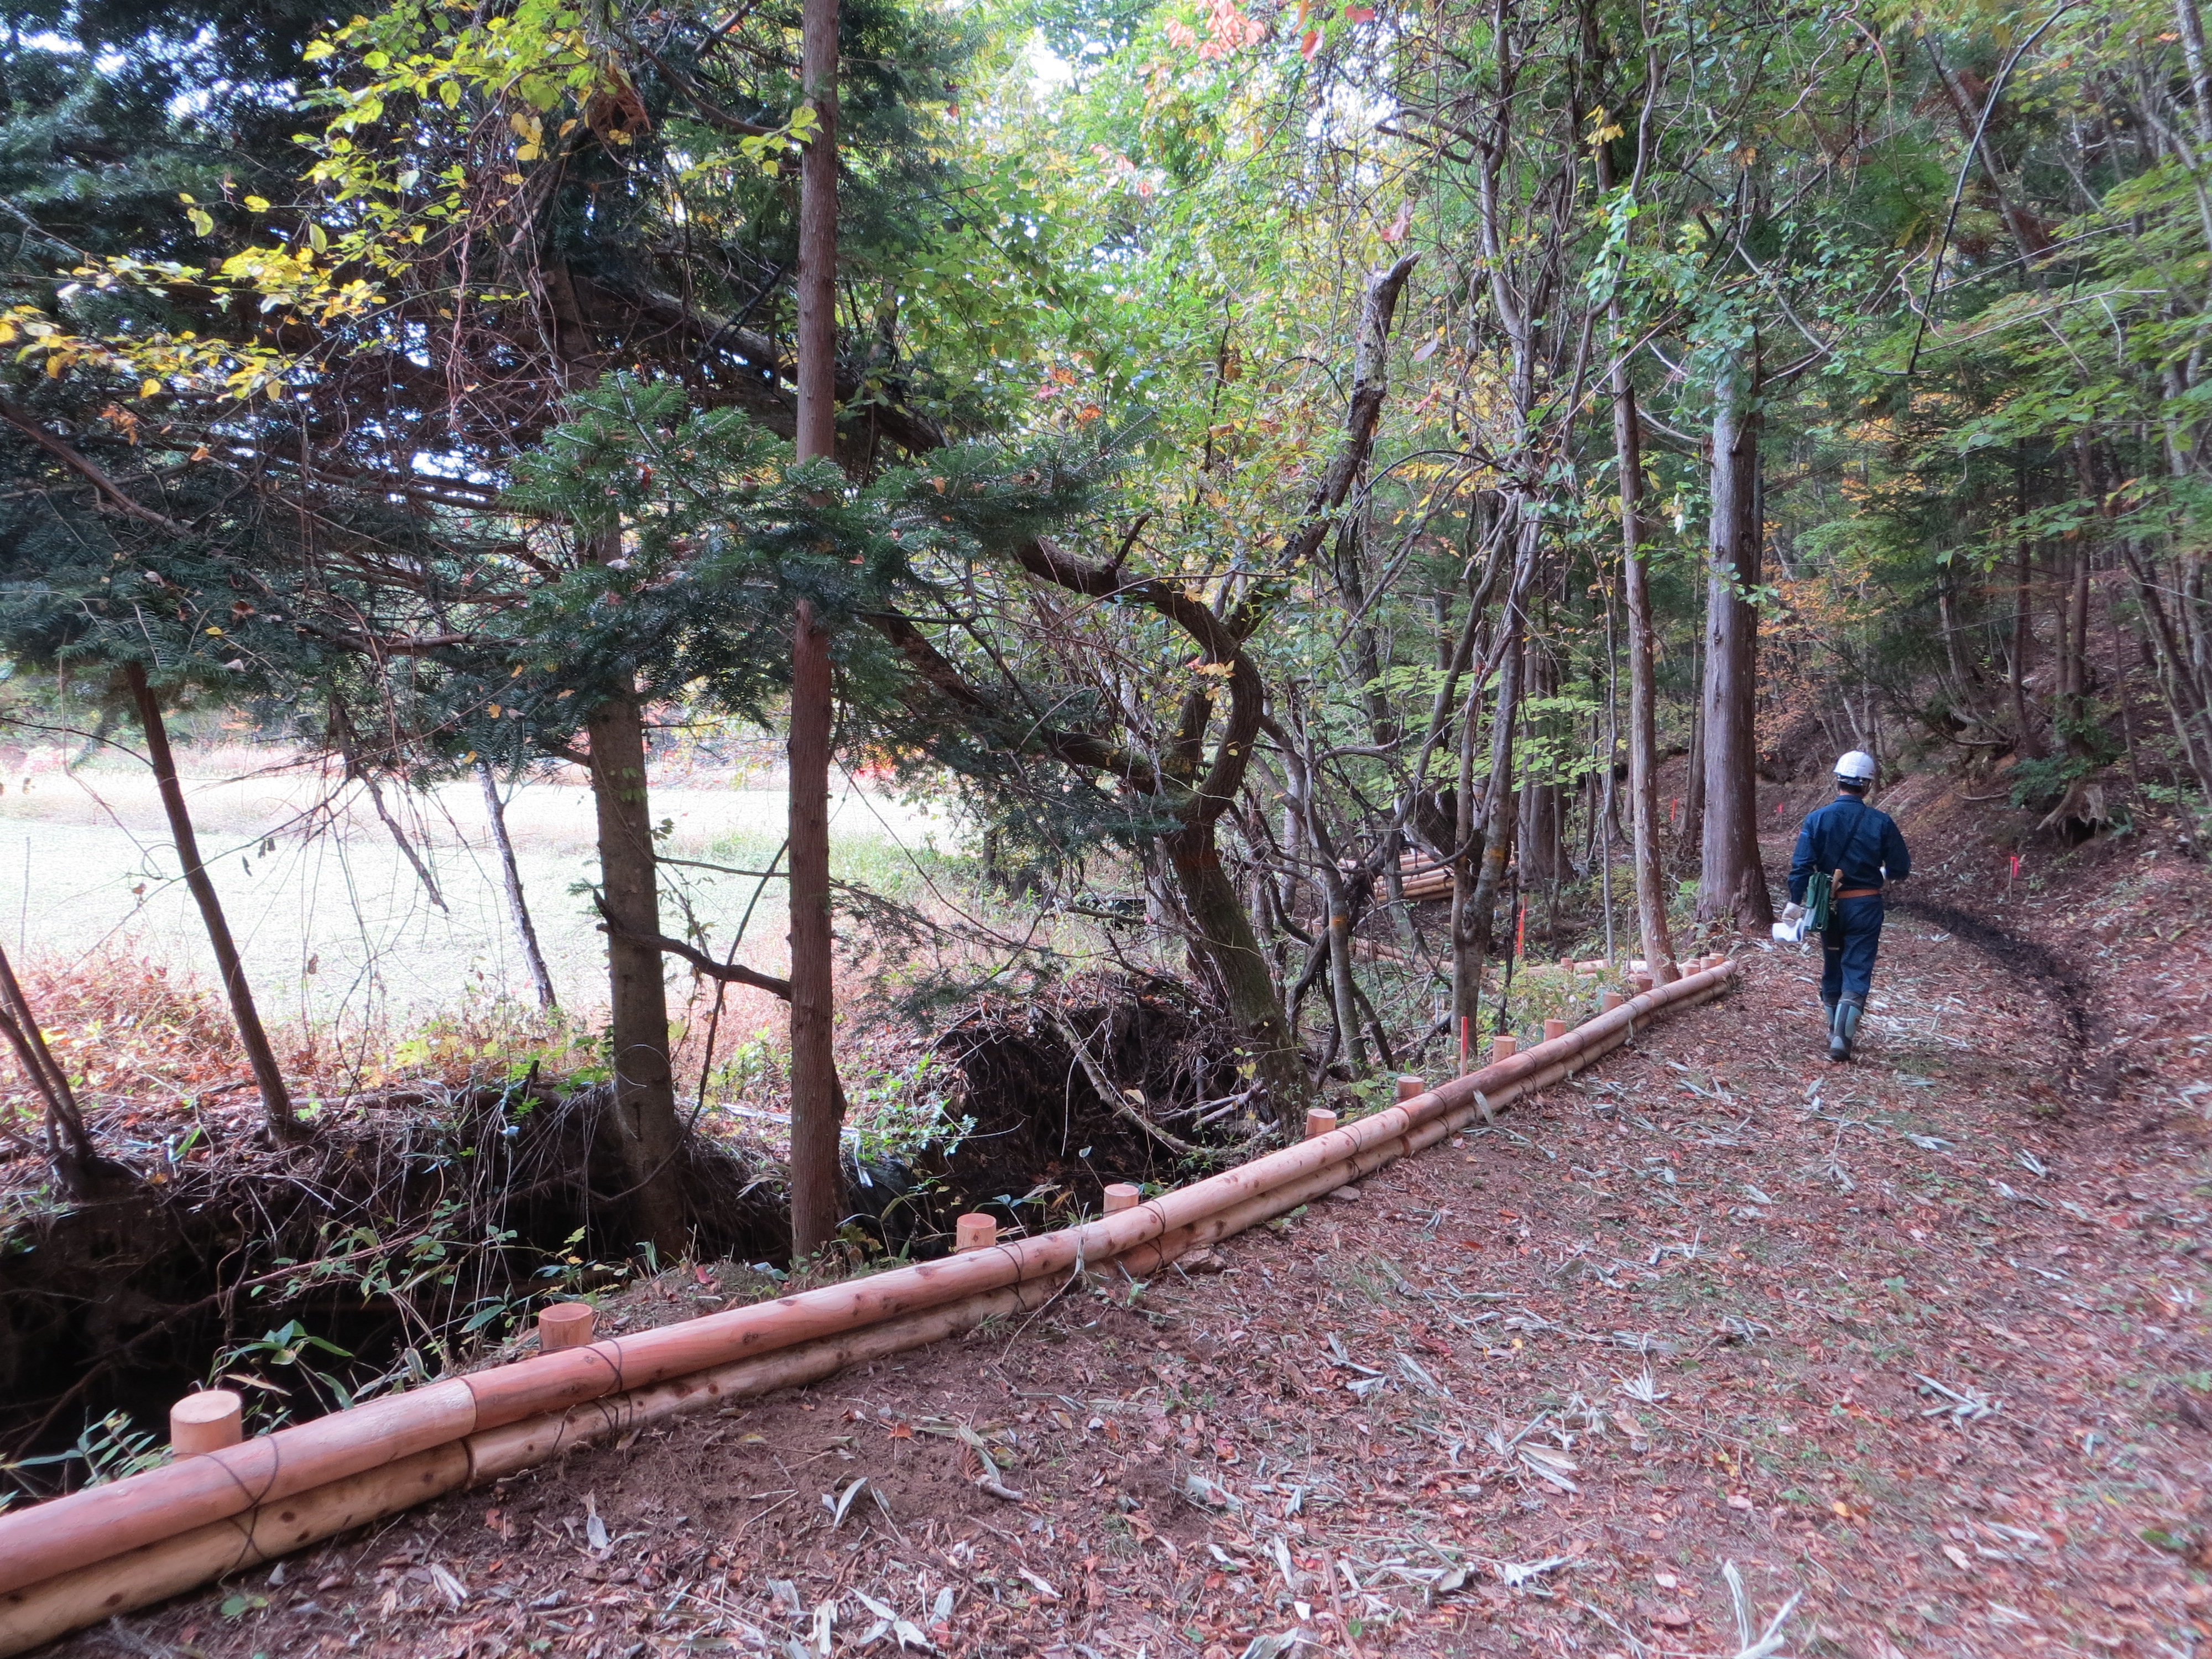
x: 1915, y: 1349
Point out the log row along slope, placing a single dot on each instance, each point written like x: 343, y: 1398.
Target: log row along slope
x: 109, y: 1549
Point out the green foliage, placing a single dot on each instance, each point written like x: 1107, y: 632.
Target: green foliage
x: 287, y: 1350
x: 898, y: 1114
x: 2040, y: 782
x: 109, y: 1449
x: 466, y: 416
x: 721, y: 536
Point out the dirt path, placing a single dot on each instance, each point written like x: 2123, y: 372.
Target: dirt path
x: 1918, y: 1344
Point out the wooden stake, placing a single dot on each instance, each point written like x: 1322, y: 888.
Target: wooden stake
x: 1410, y: 1086
x: 974, y: 1232
x: 1319, y: 1121
x: 1554, y: 1029
x: 565, y: 1325
x: 1120, y: 1196
x: 206, y: 1421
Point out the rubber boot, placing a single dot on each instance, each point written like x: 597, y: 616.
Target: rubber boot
x: 1843, y: 1029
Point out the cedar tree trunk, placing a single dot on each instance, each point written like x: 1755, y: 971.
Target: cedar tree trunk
x: 1643, y: 693
x: 1733, y: 884
x: 817, y: 1118
x: 647, y: 1133
x: 817, y: 1186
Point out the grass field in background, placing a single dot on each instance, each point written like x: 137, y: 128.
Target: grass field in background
x: 336, y: 929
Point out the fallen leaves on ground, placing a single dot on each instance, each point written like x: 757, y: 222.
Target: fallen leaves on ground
x: 1768, y: 1361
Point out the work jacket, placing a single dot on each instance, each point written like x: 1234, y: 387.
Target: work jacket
x: 1849, y: 835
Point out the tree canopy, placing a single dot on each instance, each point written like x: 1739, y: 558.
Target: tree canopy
x: 1286, y: 451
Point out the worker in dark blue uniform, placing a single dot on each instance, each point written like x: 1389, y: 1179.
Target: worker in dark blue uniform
x: 1861, y: 850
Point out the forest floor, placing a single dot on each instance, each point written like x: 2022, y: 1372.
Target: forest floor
x: 1914, y: 1350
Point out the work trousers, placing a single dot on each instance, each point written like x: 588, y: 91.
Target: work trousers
x: 1848, y: 945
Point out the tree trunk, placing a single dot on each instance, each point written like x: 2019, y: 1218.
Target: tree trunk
x: 1642, y: 691
x: 275, y: 1099
x: 818, y: 1185
x: 1224, y: 936
x: 1963, y: 673
x: 2070, y: 710
x: 816, y: 339
x: 1694, y: 787
x: 80, y: 1172
x: 1541, y: 852
x: 647, y: 1136
x: 2077, y: 675
x: 511, y: 875
x: 1543, y: 858
x: 1474, y: 927
x: 1488, y: 842
x: 2023, y: 645
x: 1467, y: 857
x: 2200, y: 78
x: 647, y: 1133
x: 1733, y: 884
x: 1353, y: 579
x: 2177, y: 687
x: 1344, y: 991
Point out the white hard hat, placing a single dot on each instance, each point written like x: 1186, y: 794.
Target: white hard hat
x: 1857, y: 767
